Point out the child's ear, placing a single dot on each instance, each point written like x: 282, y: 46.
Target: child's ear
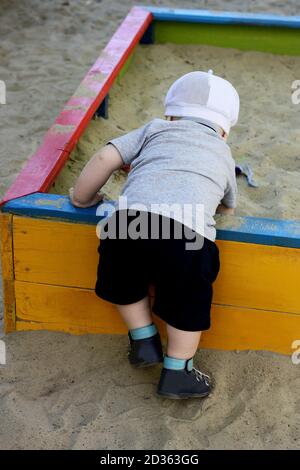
x: 224, y: 135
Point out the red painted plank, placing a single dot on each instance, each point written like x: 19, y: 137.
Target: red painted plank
x: 41, y: 169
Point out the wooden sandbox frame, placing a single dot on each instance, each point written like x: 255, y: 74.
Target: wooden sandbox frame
x: 49, y: 248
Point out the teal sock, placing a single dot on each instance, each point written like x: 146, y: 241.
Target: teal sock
x: 143, y: 332
x: 173, y: 363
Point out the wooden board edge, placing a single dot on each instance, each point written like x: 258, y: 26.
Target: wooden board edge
x: 9, y: 303
x: 223, y: 17
x: 63, y: 135
x: 254, y: 230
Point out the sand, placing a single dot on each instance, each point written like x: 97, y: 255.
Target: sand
x: 62, y: 391
x: 266, y: 137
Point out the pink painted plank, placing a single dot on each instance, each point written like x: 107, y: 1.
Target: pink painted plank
x: 41, y: 169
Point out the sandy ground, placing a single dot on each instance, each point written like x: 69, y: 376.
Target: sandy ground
x: 59, y: 391
x: 266, y: 136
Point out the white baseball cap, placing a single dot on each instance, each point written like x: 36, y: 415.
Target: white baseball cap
x: 204, y: 95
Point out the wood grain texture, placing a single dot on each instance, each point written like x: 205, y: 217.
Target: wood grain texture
x: 79, y: 311
x: 7, y: 272
x: 258, y: 276
x: 66, y: 309
x: 65, y: 254
x: 250, y: 329
x: 51, y: 252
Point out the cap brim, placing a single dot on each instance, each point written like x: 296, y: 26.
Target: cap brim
x: 199, y: 112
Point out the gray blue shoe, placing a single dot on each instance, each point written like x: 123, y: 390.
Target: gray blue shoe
x: 145, y: 352
x: 187, y: 382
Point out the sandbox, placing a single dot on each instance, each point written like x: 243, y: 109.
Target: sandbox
x: 266, y: 136
x: 50, y: 248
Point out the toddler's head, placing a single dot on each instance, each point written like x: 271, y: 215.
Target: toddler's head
x: 205, y: 96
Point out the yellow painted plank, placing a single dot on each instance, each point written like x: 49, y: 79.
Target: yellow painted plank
x: 252, y: 276
x: 250, y: 329
x: 66, y: 309
x: 53, y: 252
x: 258, y: 276
x: 79, y: 311
x: 7, y: 272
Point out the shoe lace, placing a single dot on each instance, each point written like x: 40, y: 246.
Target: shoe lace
x: 201, y: 377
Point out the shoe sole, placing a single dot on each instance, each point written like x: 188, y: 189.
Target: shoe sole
x: 184, y: 396
x: 141, y: 365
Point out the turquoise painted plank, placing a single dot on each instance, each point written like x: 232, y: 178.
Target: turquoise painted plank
x: 222, y: 17
x: 242, y: 229
x: 54, y: 206
x: 262, y: 231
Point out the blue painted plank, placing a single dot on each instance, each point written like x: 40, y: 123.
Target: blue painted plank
x: 222, y: 17
x: 261, y: 231
x: 242, y: 229
x: 44, y: 205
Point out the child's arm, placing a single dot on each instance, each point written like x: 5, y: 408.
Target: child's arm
x: 229, y: 201
x: 94, y: 175
x: 221, y: 209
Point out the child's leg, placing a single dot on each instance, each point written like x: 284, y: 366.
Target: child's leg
x: 182, y: 344
x: 179, y: 379
x: 145, y: 347
x: 136, y: 315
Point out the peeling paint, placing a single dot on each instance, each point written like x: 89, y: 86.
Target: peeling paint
x: 71, y: 107
x: 84, y: 91
x: 58, y: 203
x: 98, y: 76
x: 229, y: 222
x: 61, y: 129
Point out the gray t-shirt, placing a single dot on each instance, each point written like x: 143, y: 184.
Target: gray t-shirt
x: 179, y: 162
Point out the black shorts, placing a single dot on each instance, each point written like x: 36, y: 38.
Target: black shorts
x: 182, y: 278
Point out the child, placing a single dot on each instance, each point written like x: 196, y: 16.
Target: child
x: 183, y: 160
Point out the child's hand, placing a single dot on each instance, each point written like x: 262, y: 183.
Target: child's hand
x: 95, y: 200
x: 221, y: 209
